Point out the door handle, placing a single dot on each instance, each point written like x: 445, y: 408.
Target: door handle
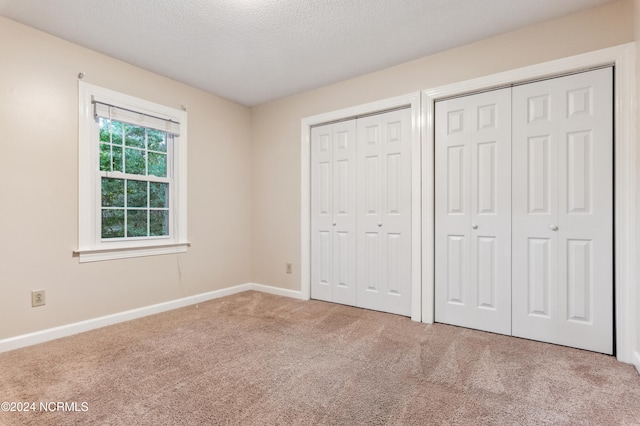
x: 474, y: 226
x: 334, y: 223
x: 553, y: 227
x: 379, y: 224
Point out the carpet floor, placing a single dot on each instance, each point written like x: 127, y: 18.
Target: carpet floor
x: 259, y: 359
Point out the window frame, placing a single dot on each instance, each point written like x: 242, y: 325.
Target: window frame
x: 91, y: 245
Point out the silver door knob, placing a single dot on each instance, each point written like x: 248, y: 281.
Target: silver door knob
x: 474, y: 226
x: 553, y: 227
x: 334, y: 223
x: 379, y: 224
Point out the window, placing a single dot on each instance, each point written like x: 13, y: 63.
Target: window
x: 132, y: 176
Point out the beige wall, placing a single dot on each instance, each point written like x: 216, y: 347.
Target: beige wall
x: 276, y: 126
x: 38, y: 188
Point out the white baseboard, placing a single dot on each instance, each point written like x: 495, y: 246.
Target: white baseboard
x: 294, y: 294
x: 636, y: 360
x: 91, y: 324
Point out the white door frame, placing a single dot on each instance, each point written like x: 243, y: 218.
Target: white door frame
x: 413, y: 101
x: 623, y: 58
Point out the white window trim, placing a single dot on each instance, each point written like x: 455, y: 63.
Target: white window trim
x: 90, y: 246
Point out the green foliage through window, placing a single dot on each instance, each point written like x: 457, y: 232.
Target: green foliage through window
x: 133, y: 204
x: 144, y: 152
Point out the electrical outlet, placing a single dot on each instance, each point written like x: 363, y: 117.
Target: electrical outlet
x: 38, y: 298
x: 289, y: 266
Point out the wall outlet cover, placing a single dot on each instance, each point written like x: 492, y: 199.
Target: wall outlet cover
x: 38, y: 298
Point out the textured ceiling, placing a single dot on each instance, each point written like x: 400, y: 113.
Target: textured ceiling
x: 255, y: 51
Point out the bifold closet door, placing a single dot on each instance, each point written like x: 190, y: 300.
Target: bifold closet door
x: 473, y: 211
x: 361, y: 212
x: 384, y: 212
x: 333, y: 212
x: 563, y: 210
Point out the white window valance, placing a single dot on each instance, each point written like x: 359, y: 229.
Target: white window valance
x: 112, y: 112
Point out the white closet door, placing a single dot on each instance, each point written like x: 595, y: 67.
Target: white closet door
x: 473, y: 211
x: 384, y: 212
x: 563, y: 211
x: 333, y: 212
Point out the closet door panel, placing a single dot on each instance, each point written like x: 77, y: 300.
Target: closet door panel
x: 384, y: 219
x: 586, y: 211
x: 535, y: 203
x: 473, y: 197
x: 453, y: 213
x: 333, y: 212
x: 322, y: 213
x: 575, y: 169
x: 344, y: 212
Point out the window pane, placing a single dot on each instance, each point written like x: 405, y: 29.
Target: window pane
x: 157, y: 164
x: 137, y: 223
x: 158, y: 195
x: 112, y: 223
x: 105, y: 130
x: 136, y: 194
x: 112, y: 192
x: 105, y: 157
x: 159, y: 222
x: 116, y: 132
x: 134, y: 136
x: 117, y: 158
x: 156, y: 140
x: 135, y: 162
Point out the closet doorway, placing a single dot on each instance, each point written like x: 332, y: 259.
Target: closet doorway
x: 361, y: 212
x: 524, y: 210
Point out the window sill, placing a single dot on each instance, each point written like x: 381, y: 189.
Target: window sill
x: 127, y: 252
